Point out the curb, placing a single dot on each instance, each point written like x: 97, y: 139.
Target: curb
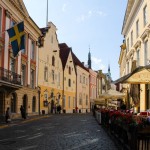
x: 23, y: 121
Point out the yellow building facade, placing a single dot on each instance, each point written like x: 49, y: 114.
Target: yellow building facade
x: 69, y: 79
x: 50, y: 71
x: 136, y: 30
x: 83, y: 98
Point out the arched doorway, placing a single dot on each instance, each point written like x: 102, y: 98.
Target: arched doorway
x: 13, y: 103
x: 25, y: 103
x: 34, y: 104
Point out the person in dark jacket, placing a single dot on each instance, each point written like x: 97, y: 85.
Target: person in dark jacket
x: 59, y: 109
x: 7, y: 116
x: 23, y: 112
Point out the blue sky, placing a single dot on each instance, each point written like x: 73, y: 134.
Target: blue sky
x: 85, y: 23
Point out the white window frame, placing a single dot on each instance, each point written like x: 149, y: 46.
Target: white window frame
x: 145, y: 15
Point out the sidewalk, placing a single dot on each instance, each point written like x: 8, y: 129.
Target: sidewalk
x: 16, y: 121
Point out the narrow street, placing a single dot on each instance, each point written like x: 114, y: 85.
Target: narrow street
x: 57, y: 132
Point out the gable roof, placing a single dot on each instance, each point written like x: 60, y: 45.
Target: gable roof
x: 64, y: 53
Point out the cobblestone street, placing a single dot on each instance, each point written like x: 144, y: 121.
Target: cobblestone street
x: 57, y: 132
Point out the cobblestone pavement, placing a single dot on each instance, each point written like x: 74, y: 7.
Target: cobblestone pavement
x: 57, y: 132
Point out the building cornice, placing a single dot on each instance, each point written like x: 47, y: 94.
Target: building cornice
x: 129, y: 17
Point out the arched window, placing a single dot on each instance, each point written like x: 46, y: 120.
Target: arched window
x: 13, y: 103
x: 69, y: 70
x: 34, y: 104
x: 69, y: 82
x: 53, y: 61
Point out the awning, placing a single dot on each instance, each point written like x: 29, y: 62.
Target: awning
x: 140, y: 75
x: 112, y: 94
x: 99, y: 101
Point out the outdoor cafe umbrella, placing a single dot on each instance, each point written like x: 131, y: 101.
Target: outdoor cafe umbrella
x: 112, y: 94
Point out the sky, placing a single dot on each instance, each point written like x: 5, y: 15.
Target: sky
x: 85, y: 25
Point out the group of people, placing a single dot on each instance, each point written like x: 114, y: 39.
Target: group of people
x: 57, y: 109
x: 8, y: 114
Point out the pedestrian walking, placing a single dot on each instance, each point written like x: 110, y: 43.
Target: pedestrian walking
x: 54, y: 109
x: 23, y: 112
x: 7, y: 116
x: 59, y: 109
x: 76, y: 109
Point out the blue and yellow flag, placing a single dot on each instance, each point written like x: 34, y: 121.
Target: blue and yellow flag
x: 16, y: 35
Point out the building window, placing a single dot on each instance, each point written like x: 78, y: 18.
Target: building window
x: 73, y: 101
x: 58, y: 79
x: 69, y: 70
x: 25, y: 41
x: 32, y: 50
x: 83, y: 80
x: 80, y: 99
x: 86, y: 99
x: 12, y: 64
x: 23, y: 74
x: 127, y: 44
x: 46, y: 74
x: 13, y: 103
x: 86, y: 81
x: 46, y: 96
x: 137, y: 28
x: 53, y: 61
x: 127, y: 67
x: 80, y: 79
x: 138, y: 58
x: 0, y: 21
x: 131, y: 38
x: 33, y: 104
x: 145, y: 15
x: 12, y: 23
x: 32, y: 78
x: 145, y: 53
x: 53, y: 75
x: 69, y: 101
x: 69, y: 82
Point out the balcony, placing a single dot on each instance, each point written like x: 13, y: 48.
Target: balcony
x: 9, y: 78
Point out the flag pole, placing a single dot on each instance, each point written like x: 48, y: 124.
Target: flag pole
x: 47, y: 15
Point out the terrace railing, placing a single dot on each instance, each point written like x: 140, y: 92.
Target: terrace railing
x: 9, y: 76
